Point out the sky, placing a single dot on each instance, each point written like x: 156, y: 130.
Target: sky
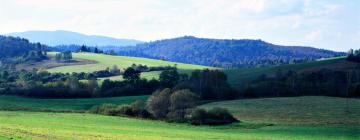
x: 328, y: 24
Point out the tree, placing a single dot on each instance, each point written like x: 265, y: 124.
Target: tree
x: 115, y: 70
x: 169, y: 78
x: 92, y: 86
x: 131, y: 75
x: 159, y: 103
x: 181, y: 101
x: 58, y: 57
x: 73, y: 83
x: 96, y: 50
x: 67, y: 56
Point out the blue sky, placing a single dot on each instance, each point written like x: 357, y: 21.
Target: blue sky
x: 330, y: 24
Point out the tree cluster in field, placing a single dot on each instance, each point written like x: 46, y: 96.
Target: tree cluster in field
x: 14, y: 50
x: 324, y: 82
x: 169, y: 105
x: 354, y: 55
x: 225, y: 53
x: 63, y: 56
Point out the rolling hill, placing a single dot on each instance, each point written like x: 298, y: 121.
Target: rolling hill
x: 60, y: 37
x: 18, y: 50
x: 225, y: 53
x: 239, y: 77
x: 121, y: 61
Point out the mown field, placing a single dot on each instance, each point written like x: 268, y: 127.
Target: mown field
x: 293, y: 118
x: 294, y: 110
x: 35, y: 125
x: 105, y: 61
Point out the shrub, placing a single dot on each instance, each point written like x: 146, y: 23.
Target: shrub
x: 104, y: 109
x: 159, y: 103
x: 136, y: 109
x: 215, y: 116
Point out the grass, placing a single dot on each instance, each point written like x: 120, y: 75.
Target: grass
x: 40, y: 125
x: 21, y: 103
x: 105, y: 61
x: 294, y: 110
x: 237, y: 77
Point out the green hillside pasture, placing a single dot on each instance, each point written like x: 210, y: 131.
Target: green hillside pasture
x: 294, y: 110
x: 105, y: 61
x: 237, y: 77
x: 41, y: 125
x: 33, y: 104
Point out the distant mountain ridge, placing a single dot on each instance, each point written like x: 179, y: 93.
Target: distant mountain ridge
x: 61, y: 37
x: 227, y: 53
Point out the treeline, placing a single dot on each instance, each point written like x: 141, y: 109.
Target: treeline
x: 83, y: 48
x: 324, y: 82
x: 208, y: 84
x: 354, y: 55
x: 14, y: 50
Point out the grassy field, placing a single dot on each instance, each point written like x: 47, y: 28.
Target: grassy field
x: 35, y: 125
x: 294, y: 110
x: 121, y: 61
x: 33, y: 104
x: 293, y: 118
x: 239, y: 76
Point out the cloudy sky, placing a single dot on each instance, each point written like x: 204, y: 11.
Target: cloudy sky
x: 330, y: 24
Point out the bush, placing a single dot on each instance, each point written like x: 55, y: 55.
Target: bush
x: 104, y: 109
x: 136, y: 109
x: 159, y: 103
x: 215, y: 116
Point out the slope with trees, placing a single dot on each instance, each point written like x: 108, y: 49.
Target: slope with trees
x: 225, y: 53
x: 17, y: 50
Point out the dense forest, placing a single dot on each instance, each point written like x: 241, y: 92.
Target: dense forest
x: 17, y: 50
x: 225, y: 53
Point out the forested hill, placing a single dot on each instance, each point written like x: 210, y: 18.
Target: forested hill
x: 16, y: 50
x: 225, y: 53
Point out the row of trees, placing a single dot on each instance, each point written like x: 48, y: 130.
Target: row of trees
x: 354, y: 55
x: 324, y: 82
x: 57, y: 85
x: 63, y: 56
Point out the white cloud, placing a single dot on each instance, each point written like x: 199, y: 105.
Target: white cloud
x: 300, y: 22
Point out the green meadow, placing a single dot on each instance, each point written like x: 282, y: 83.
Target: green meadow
x: 34, y: 104
x: 104, y: 61
x: 258, y: 122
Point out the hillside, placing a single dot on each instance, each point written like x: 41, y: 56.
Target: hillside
x: 17, y: 50
x: 238, y: 77
x: 60, y: 37
x: 121, y: 61
x: 225, y: 53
